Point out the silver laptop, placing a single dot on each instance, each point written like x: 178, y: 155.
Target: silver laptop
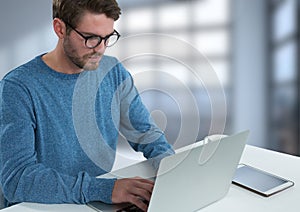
x: 195, y: 177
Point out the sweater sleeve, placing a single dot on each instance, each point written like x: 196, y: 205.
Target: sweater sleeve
x: 23, y: 177
x: 138, y: 126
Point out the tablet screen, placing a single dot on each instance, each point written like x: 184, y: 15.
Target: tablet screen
x: 256, y: 179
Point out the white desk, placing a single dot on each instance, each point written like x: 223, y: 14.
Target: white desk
x: 237, y: 199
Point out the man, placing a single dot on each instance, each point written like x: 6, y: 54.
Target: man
x: 51, y: 151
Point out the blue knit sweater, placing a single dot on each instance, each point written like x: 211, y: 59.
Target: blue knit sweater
x: 59, y: 131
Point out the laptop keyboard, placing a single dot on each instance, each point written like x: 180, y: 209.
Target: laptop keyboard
x: 132, y: 208
x: 129, y: 208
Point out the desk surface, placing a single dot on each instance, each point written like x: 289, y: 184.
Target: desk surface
x: 237, y: 199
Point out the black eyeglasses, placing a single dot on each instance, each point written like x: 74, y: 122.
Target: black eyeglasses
x: 93, y: 41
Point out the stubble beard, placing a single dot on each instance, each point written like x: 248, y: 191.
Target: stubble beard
x: 84, y: 61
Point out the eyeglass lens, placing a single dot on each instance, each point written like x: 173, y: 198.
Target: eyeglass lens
x: 92, y: 42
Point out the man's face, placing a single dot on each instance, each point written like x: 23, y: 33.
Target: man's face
x: 74, y: 44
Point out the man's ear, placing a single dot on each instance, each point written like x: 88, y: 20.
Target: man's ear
x: 59, y: 28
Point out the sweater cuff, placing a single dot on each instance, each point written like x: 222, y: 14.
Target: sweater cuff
x: 100, y: 189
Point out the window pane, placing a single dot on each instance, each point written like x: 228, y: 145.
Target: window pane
x: 222, y: 70
x: 212, y: 74
x: 140, y: 68
x: 173, y: 16
x: 285, y: 22
x: 284, y: 119
x: 140, y: 20
x: 285, y: 62
x: 212, y: 42
x: 177, y: 74
x: 183, y: 36
x: 211, y: 12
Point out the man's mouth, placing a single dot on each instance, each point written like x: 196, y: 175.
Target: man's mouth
x: 95, y: 57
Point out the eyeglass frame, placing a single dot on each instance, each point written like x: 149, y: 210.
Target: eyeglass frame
x: 100, y: 39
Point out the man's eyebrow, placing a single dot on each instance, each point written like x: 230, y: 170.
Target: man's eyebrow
x: 90, y: 34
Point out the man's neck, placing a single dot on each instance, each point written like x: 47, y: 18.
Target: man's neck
x: 60, y: 63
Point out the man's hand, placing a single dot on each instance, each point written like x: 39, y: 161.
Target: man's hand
x: 133, y: 190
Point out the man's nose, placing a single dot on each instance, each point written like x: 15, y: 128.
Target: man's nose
x: 100, y: 48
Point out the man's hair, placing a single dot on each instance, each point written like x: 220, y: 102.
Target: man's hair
x: 72, y: 11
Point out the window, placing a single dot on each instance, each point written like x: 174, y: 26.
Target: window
x: 284, y: 76
x: 178, y: 32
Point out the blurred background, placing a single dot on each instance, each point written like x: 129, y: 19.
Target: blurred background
x: 250, y: 50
